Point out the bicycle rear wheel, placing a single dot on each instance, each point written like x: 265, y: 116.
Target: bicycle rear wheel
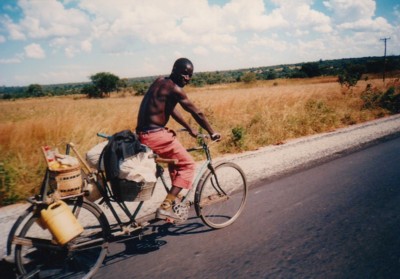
x: 38, y: 256
x: 16, y: 228
x: 221, y: 195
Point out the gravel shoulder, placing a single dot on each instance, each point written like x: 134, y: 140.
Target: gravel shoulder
x: 269, y: 162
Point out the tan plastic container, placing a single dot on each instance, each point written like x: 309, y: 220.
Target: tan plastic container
x: 61, y: 222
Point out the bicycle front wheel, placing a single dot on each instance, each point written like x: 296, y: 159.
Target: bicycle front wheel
x: 221, y: 195
x: 37, y: 255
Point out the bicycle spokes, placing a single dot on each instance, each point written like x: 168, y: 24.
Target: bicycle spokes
x: 222, y: 195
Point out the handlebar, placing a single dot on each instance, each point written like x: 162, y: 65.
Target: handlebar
x: 199, y: 136
x: 102, y: 135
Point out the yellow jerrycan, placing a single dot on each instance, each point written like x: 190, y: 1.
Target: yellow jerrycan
x: 61, y: 222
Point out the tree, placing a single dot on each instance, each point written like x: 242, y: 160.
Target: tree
x: 351, y: 75
x: 91, y: 91
x: 249, y: 77
x: 105, y: 83
x: 296, y: 73
x: 374, y: 66
x: 311, y: 69
x: 267, y: 75
x: 140, y: 87
x: 122, y: 83
x: 35, y: 90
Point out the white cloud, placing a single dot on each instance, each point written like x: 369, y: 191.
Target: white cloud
x: 396, y: 12
x: 70, y: 51
x: 34, y: 51
x: 58, y: 42
x: 2, y: 39
x: 119, y: 25
x: 14, y: 30
x: 357, y: 15
x: 72, y: 73
x: 63, y: 27
x: 378, y: 24
x: 310, y: 46
x: 86, y: 46
x: 202, y: 51
x: 292, y: 2
x: 300, y: 16
x: 268, y: 43
x: 251, y: 15
x: 10, y: 61
x: 351, y: 10
x: 51, y: 20
x: 179, y: 22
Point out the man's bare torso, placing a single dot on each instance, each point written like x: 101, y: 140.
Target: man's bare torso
x: 157, y: 105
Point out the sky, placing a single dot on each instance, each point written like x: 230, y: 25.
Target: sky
x: 66, y: 41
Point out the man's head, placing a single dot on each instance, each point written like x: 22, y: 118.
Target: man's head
x: 182, y: 71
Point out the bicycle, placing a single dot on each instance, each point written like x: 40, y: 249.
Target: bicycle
x: 219, y: 198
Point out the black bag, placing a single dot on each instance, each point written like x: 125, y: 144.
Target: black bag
x: 121, y: 145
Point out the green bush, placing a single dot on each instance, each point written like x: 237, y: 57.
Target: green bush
x: 249, y: 77
x: 91, y: 91
x: 389, y: 100
x: 238, y: 135
x: 7, y: 189
x: 35, y: 90
x: 370, y: 97
x: 351, y: 75
x: 140, y: 88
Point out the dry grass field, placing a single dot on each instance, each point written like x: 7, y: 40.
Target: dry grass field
x: 247, y: 115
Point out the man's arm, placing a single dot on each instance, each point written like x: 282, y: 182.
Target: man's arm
x: 200, y: 118
x: 179, y: 118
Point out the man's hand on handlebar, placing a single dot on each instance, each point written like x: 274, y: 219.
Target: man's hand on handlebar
x: 192, y: 132
x: 215, y: 137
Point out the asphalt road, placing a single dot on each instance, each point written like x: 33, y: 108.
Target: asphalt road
x: 336, y: 220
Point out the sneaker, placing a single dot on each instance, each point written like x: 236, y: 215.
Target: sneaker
x: 167, y: 214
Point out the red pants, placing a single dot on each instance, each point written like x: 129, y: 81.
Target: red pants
x: 165, y: 144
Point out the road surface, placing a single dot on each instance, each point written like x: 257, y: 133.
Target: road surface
x: 336, y: 220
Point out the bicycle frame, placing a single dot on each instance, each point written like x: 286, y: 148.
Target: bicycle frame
x: 141, y: 222
x: 133, y: 224
x: 108, y: 198
x: 206, y: 164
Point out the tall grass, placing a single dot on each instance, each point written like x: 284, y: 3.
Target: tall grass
x: 248, y: 117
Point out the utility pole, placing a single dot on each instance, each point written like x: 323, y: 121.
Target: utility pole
x: 384, y: 58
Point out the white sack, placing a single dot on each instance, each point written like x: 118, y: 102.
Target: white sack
x: 93, y: 155
x: 139, y: 168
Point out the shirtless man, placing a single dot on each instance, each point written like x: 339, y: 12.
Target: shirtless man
x: 158, y: 104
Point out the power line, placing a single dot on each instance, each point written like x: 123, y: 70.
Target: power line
x: 384, y: 58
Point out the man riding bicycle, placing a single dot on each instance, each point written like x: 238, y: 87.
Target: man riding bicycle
x: 158, y: 105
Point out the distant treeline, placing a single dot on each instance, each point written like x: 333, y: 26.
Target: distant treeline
x: 371, y: 65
